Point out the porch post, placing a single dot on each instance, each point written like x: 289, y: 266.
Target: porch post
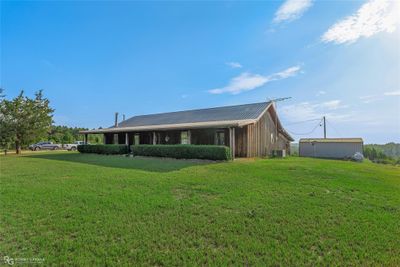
x: 154, y: 138
x: 232, y: 141
x: 126, y: 139
x: 85, y: 140
x: 104, y: 139
x: 116, y: 141
x: 189, y: 137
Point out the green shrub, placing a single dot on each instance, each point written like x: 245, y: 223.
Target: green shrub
x: 183, y: 151
x: 103, y: 149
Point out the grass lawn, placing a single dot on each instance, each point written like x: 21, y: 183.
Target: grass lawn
x: 75, y: 209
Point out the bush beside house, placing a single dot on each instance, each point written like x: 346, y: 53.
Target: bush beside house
x: 103, y: 149
x: 210, y: 152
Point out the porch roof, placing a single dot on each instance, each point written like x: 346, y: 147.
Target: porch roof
x: 194, y: 125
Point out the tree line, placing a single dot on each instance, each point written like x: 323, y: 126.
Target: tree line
x: 377, y: 153
x: 390, y: 149
x: 25, y: 120
x: 68, y: 135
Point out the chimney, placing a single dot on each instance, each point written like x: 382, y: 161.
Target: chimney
x: 123, y: 117
x: 116, y: 119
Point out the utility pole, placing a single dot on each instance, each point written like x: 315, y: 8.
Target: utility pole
x: 324, y: 127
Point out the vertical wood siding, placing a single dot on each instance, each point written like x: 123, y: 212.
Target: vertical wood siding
x: 259, y: 141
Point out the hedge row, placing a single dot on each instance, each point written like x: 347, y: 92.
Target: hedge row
x: 103, y: 149
x: 183, y: 151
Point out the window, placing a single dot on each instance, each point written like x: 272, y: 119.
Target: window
x: 272, y: 138
x: 221, y: 138
x: 184, y: 138
x: 137, y: 139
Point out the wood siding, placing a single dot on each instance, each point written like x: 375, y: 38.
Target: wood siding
x: 262, y: 137
x: 241, y: 142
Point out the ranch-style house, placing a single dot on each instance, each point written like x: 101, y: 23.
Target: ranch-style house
x: 250, y: 130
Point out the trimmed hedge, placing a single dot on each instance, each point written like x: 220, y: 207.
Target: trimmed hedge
x: 103, y: 149
x: 183, y: 151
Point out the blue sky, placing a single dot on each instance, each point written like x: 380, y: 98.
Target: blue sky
x: 335, y: 58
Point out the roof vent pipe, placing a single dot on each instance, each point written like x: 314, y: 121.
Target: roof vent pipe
x: 116, y: 119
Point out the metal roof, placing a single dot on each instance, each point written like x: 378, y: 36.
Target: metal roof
x: 228, y: 116
x: 227, y: 113
x: 331, y: 140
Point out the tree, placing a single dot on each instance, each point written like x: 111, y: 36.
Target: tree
x: 6, y: 136
x: 66, y: 135
x: 24, y: 119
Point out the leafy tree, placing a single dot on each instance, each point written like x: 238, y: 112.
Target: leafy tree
x: 24, y: 120
x: 6, y: 135
x: 385, y: 154
x: 389, y: 149
x: 66, y: 135
x: 67, y: 138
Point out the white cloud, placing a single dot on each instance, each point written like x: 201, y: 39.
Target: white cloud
x: 334, y: 104
x: 366, y: 99
x: 301, y: 111
x: 244, y: 82
x: 320, y: 93
x: 234, y: 65
x: 393, y: 93
x: 306, y: 110
x: 373, y: 17
x: 291, y: 10
x: 292, y: 71
x: 248, y: 81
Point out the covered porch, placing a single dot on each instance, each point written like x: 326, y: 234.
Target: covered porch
x: 232, y: 137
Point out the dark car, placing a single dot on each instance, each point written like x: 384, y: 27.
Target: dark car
x: 44, y: 145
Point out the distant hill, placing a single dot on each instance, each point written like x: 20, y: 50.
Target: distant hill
x: 389, y: 149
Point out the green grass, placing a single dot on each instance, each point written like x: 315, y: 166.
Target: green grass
x: 74, y: 209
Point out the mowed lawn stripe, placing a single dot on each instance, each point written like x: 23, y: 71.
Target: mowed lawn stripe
x: 70, y: 208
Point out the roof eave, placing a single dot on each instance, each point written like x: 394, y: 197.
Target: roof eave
x: 197, y: 125
x: 282, y: 130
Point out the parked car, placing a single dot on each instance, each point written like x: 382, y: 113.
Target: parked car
x: 45, y: 146
x: 74, y: 146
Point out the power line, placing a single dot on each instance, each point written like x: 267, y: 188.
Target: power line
x: 298, y: 122
x: 316, y: 126
x: 338, y: 133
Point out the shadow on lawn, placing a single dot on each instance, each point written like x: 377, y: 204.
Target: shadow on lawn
x: 114, y: 161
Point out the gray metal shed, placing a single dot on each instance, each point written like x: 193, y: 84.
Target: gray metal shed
x: 336, y: 148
